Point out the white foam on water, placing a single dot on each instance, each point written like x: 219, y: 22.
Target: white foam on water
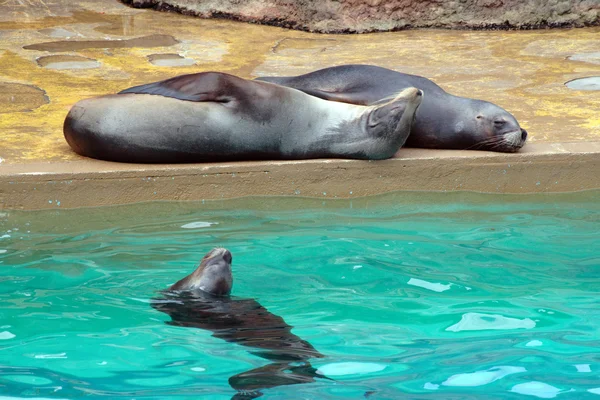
x: 481, y: 322
x: 5, y: 335
x: 537, y: 389
x: 199, y: 224
x: 480, y: 378
x: 594, y: 390
x: 50, y: 356
x: 147, y: 301
x: 583, y: 367
x: 198, y: 369
x: 436, y: 287
x: 349, y: 368
x: 357, y: 267
x: 2, y: 251
x: 4, y: 236
x: 431, y: 386
x: 534, y: 343
x: 29, y: 398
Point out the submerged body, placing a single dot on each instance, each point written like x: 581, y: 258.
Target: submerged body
x: 214, y: 116
x: 201, y: 300
x: 443, y: 121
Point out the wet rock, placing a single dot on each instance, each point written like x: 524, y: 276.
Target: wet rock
x: 16, y: 97
x: 349, y: 16
x: 74, y: 45
x: 67, y: 62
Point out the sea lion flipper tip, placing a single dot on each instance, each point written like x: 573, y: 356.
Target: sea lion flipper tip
x: 185, y: 87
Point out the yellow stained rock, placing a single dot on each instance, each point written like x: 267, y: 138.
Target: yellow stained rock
x: 524, y: 72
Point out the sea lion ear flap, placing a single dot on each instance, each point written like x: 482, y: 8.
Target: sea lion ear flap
x: 193, y: 87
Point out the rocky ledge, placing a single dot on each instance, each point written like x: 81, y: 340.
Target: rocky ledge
x: 359, y: 16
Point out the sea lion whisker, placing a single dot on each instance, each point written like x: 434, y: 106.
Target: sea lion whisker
x: 500, y: 142
x: 515, y: 137
x: 498, y: 145
x: 484, y: 142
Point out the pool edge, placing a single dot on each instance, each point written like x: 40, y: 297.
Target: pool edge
x: 538, y: 168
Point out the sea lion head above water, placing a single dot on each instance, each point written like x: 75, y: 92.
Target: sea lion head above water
x: 212, y: 276
x: 201, y: 300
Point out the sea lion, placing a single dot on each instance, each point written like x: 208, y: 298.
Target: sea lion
x: 201, y: 300
x: 443, y: 121
x: 214, y: 116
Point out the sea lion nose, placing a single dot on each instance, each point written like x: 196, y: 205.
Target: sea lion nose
x: 227, y: 256
x: 419, y: 93
x: 523, y: 134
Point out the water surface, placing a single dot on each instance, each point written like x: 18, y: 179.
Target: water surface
x: 445, y: 296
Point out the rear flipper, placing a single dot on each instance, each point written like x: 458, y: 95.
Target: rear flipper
x: 250, y: 383
x: 385, y: 128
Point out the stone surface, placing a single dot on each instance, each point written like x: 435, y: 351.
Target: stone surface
x: 540, y: 168
x: 350, y: 16
x: 523, y: 71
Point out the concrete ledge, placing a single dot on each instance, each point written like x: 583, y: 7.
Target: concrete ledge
x: 538, y: 168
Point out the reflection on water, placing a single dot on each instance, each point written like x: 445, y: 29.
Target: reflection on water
x: 480, y: 322
x: 16, y: 97
x: 593, y: 58
x: 588, y: 83
x: 170, y: 60
x: 67, y: 62
x: 73, y: 45
x: 456, y: 296
x: 246, y: 322
x: 57, y: 33
x: 480, y: 378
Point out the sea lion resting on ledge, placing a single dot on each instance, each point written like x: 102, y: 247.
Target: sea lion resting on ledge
x: 213, y: 116
x: 201, y: 300
x: 443, y: 121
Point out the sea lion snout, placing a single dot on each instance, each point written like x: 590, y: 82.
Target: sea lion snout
x: 523, y: 134
x: 219, y: 252
x: 212, y: 276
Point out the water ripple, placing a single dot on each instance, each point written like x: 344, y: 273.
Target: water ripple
x: 455, y: 296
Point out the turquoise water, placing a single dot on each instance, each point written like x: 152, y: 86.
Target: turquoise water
x: 445, y: 296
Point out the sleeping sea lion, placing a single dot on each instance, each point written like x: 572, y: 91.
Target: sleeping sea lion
x: 443, y: 121
x: 213, y: 116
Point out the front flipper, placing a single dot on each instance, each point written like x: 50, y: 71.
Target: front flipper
x: 204, y: 86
